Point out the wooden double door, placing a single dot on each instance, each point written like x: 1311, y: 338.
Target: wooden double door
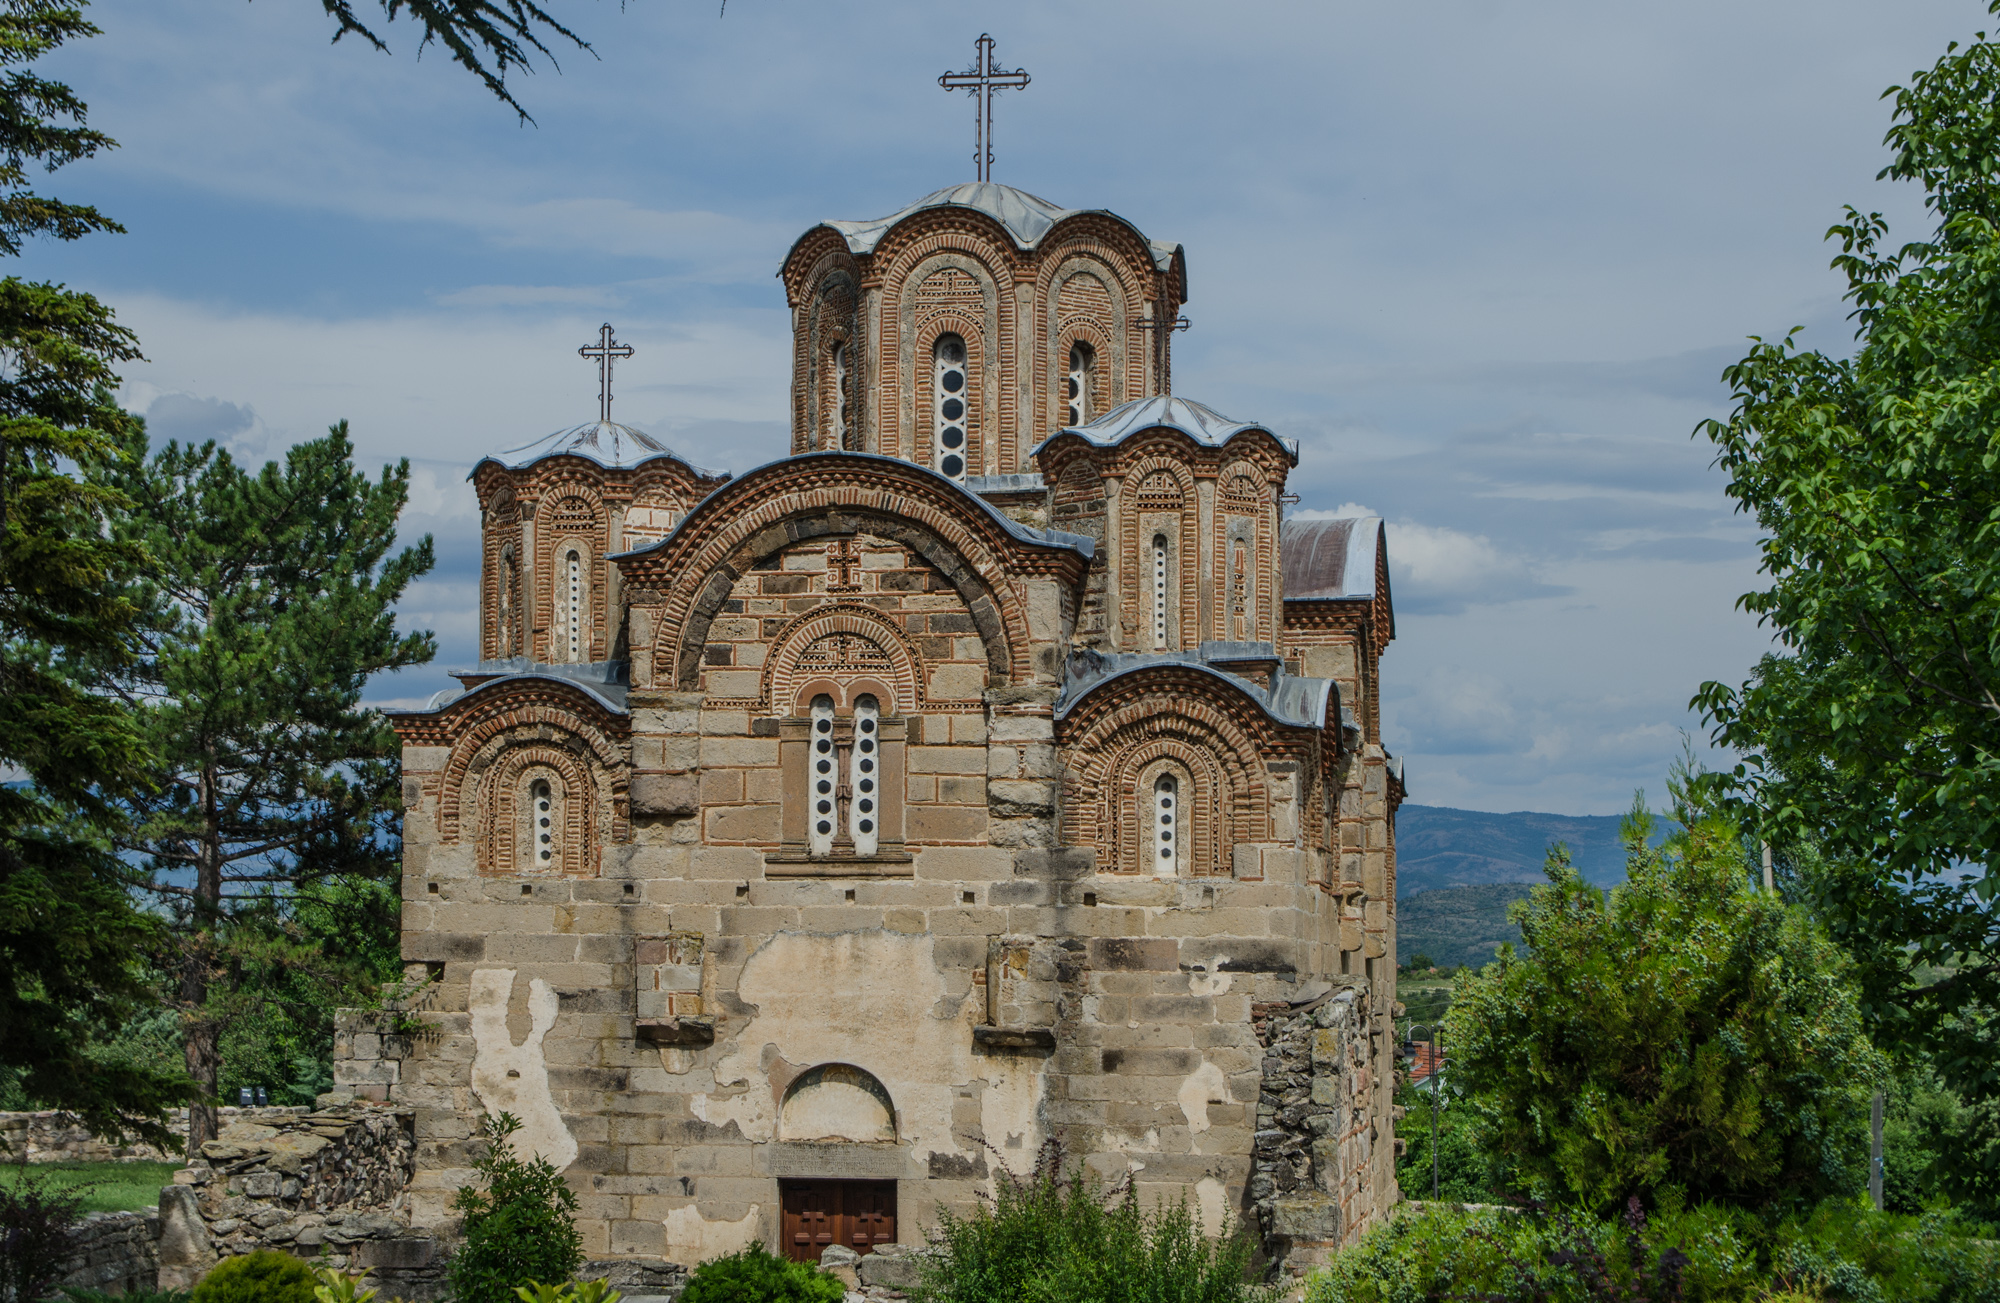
x: 814, y: 1214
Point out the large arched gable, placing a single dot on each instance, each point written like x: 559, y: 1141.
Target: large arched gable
x: 688, y: 577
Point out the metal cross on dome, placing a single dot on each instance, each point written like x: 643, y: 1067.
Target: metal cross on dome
x: 606, y: 352
x: 983, y: 81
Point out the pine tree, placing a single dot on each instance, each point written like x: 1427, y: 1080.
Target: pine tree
x: 267, y: 607
x: 70, y: 939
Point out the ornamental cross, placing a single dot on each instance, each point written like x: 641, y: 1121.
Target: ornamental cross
x: 841, y: 561
x: 983, y: 81
x: 605, y: 352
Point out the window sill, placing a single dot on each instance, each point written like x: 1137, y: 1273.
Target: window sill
x: 798, y: 864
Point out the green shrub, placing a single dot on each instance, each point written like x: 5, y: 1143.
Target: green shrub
x: 521, y: 1228
x: 1048, y: 1238
x: 37, y: 1218
x: 754, y: 1276
x: 266, y: 1276
x: 1713, y: 1253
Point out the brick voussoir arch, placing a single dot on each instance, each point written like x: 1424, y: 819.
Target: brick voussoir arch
x: 478, y: 729
x: 689, y: 575
x: 782, y: 673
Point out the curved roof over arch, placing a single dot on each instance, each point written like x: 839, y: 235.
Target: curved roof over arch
x: 1026, y: 218
x: 1197, y: 421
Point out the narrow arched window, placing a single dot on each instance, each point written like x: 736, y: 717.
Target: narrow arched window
x: 837, y: 387
x: 1167, y: 832
x: 571, y: 632
x: 542, y: 824
x: 1239, y: 592
x: 1082, y: 370
x: 864, y: 818
x: 825, y: 800
x: 951, y: 391
x: 504, y: 616
x: 1160, y: 642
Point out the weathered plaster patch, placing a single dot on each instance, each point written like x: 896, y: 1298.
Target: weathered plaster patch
x: 836, y: 1101
x: 1007, y: 1105
x: 750, y: 1110
x: 1211, y: 1198
x: 875, y: 1000
x: 510, y: 1078
x: 1212, y: 982
x: 693, y: 1238
x: 1204, y: 1086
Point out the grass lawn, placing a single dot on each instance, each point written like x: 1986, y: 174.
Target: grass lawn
x: 113, y: 1187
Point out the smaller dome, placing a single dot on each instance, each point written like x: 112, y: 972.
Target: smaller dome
x: 605, y: 442
x: 1197, y: 421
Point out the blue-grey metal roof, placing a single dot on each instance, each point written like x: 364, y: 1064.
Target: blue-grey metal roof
x: 1300, y: 702
x: 607, y: 443
x: 605, y: 682
x: 1197, y: 421
x: 1079, y: 543
x: 1329, y: 560
x: 1026, y: 217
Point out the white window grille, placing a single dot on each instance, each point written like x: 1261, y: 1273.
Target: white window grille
x: 1167, y: 829
x: 864, y: 814
x: 573, y: 630
x: 542, y: 823
x: 950, y: 393
x: 1082, y: 362
x: 1160, y: 593
x: 824, y: 813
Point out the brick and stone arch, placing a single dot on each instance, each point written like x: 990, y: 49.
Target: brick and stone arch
x: 503, y: 605
x: 953, y: 298
x: 1157, y: 501
x: 1089, y: 298
x: 843, y: 650
x: 531, y: 791
x: 947, y: 261
x: 1245, y: 553
x: 689, y: 582
x: 507, y: 738
x: 1121, y: 736
x: 825, y: 317
x: 571, y: 522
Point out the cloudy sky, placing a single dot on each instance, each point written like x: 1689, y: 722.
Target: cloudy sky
x: 1485, y: 261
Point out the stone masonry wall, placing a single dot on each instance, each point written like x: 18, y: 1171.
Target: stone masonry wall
x: 326, y: 1182
x: 1312, y: 1179
x: 115, y: 1253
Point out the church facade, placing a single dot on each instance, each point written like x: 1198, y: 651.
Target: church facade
x: 999, y: 768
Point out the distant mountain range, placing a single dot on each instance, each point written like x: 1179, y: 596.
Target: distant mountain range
x: 1458, y: 870
x: 1438, y: 847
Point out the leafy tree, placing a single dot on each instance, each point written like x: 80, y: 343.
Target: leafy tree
x: 751, y: 1275
x: 1686, y: 1038
x: 520, y: 1228
x: 267, y: 607
x: 1873, y: 736
x: 69, y: 937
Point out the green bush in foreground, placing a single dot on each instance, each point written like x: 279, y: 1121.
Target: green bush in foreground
x: 1709, y: 1254
x: 1054, y: 1239
x: 754, y: 1276
x: 520, y: 1228
x: 266, y: 1276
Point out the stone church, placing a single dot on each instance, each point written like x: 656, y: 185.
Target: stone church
x: 999, y: 768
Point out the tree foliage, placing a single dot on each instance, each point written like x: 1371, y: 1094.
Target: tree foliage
x: 1685, y: 1038
x: 520, y: 1228
x: 488, y: 38
x: 1873, y: 737
x: 41, y: 121
x: 267, y: 605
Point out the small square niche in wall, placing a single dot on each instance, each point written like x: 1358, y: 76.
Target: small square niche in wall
x: 970, y: 897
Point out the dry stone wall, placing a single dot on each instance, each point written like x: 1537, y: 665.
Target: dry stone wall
x: 115, y: 1253
x: 325, y: 1183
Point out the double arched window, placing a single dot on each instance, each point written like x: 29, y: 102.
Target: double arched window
x: 951, y: 392
x: 844, y: 767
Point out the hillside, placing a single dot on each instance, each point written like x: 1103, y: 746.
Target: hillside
x: 1439, y: 847
x: 1457, y: 926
